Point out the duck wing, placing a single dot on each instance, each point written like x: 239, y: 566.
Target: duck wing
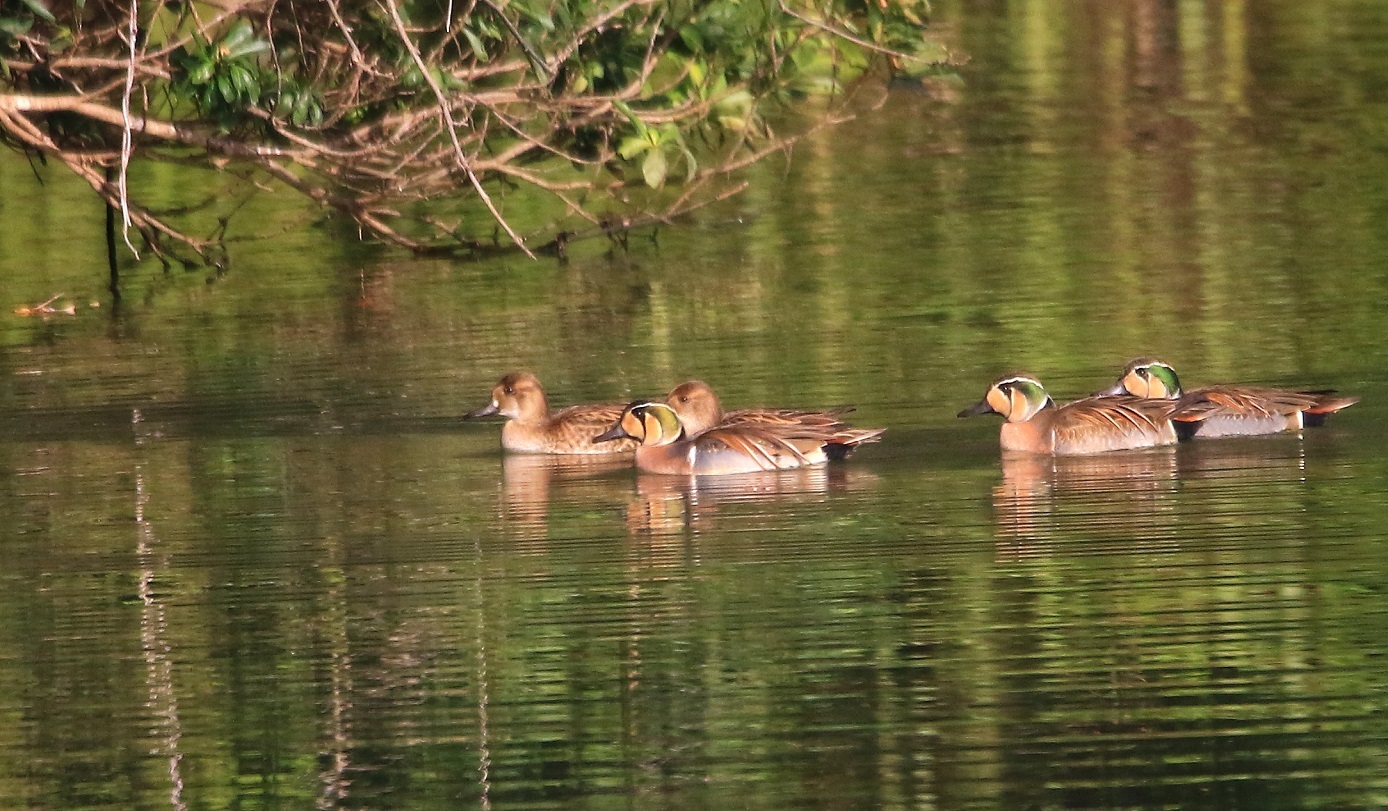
x: 1254, y: 402
x: 786, y: 418
x: 744, y: 449
x: 1112, y: 421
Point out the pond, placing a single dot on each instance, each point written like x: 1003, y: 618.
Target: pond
x: 254, y: 558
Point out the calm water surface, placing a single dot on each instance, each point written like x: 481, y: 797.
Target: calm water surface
x: 252, y: 557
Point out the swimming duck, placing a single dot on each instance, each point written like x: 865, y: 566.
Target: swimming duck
x: 699, y: 410
x: 1035, y: 424
x: 1227, y: 410
x: 532, y: 428
x: 666, y: 447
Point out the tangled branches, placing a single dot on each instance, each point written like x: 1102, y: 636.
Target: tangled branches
x: 558, y: 117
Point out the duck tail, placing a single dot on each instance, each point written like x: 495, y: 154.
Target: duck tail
x: 1327, y: 403
x: 841, y: 444
x: 1185, y: 429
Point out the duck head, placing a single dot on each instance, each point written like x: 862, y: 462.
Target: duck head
x: 1148, y: 378
x: 518, y: 396
x: 647, y: 423
x: 1017, y: 398
x: 696, y: 405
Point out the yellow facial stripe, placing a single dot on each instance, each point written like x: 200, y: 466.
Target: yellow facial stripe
x: 1136, y: 385
x: 1020, y: 406
x: 998, y: 401
x: 633, y: 426
x: 654, y: 433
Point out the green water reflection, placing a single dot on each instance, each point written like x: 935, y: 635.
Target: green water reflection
x: 253, y: 558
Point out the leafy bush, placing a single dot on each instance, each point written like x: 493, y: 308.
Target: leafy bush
x: 374, y: 107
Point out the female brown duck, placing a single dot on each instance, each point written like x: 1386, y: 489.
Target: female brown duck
x: 532, y: 428
x: 699, y: 410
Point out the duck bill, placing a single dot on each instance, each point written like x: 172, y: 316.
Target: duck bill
x: 1112, y: 391
x: 485, y: 411
x: 615, y: 432
x: 980, y: 407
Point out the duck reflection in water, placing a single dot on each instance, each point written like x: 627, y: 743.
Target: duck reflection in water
x: 1043, y: 497
x: 674, y: 505
x: 529, y: 481
x: 1148, y: 501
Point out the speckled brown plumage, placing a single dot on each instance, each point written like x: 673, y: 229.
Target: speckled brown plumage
x: 532, y: 428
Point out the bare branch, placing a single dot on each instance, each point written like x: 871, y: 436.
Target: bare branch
x: 447, y: 111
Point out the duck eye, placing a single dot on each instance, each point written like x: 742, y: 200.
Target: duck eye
x: 684, y: 398
x: 1143, y: 372
x: 510, y: 390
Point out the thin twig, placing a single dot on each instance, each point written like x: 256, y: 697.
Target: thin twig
x: 844, y: 35
x: 126, y: 142
x: 445, y: 108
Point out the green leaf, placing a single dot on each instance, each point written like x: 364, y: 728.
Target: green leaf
x: 738, y: 101
x: 478, y: 49
x: 692, y: 38
x: 632, y: 146
x: 16, y: 26
x: 61, y: 39
x: 252, y: 48
x: 654, y: 168
x: 240, y: 41
x: 302, y: 112
x: 201, y: 73
x: 39, y: 9
x: 224, y: 86
x: 625, y: 109
x: 732, y: 122
x: 239, y: 33
x: 246, y: 83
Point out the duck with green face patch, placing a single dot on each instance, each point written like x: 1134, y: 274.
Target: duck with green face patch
x: 666, y: 447
x: 1215, y: 411
x: 1035, y: 424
